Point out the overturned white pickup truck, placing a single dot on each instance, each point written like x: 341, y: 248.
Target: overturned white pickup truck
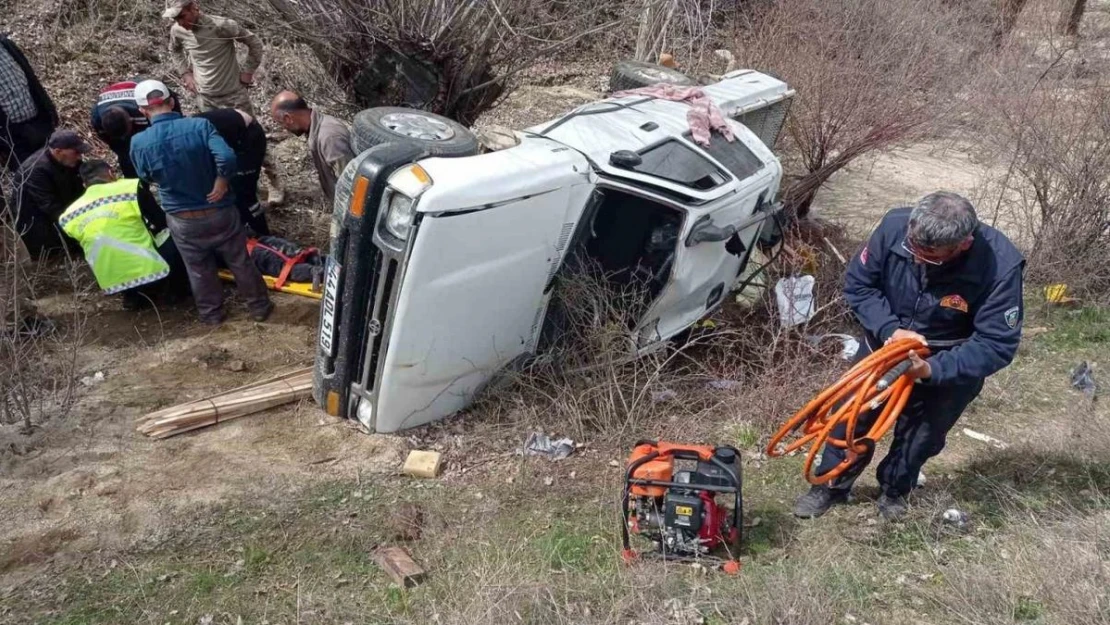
x: 443, y: 259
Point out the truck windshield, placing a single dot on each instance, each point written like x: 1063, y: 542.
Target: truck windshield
x: 734, y: 155
x: 675, y: 162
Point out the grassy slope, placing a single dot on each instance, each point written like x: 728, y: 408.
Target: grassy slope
x: 522, y: 551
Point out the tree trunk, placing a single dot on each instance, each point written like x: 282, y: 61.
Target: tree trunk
x: 1071, y: 15
x: 1008, y: 13
x: 292, y: 15
x: 654, y: 24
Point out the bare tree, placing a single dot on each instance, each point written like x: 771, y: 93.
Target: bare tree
x: 870, y: 75
x: 684, y: 28
x: 1008, y: 13
x: 38, y: 359
x: 656, y: 17
x: 1071, y: 16
x: 1058, y: 197
x: 452, y: 58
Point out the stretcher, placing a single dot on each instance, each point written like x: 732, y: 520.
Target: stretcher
x: 304, y: 289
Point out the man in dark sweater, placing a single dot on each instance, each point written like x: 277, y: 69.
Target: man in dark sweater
x: 46, y: 183
x: 27, y: 115
x: 245, y: 136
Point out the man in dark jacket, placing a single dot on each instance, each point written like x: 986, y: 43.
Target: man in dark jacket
x: 246, y: 137
x: 45, y: 185
x: 27, y: 115
x: 932, y: 273
x: 116, y: 118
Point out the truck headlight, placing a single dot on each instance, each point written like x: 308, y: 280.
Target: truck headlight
x: 405, y: 187
x: 398, y: 217
x: 365, y: 413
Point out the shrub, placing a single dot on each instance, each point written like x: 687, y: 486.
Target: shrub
x: 452, y: 58
x: 870, y: 75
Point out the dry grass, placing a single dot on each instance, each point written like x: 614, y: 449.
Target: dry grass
x: 589, y: 384
x: 505, y: 545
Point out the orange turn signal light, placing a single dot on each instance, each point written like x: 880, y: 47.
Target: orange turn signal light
x: 358, y: 196
x: 421, y: 175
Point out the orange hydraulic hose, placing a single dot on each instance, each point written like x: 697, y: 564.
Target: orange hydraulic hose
x: 867, y: 385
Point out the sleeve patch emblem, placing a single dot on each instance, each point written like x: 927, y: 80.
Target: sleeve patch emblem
x: 955, y: 302
x: 1012, y: 316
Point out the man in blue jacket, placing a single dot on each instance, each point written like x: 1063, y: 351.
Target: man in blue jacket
x: 936, y: 274
x: 192, y: 167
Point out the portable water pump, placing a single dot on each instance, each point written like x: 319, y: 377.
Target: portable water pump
x: 685, y: 499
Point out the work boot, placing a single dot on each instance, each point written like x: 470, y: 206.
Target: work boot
x: 133, y: 301
x: 275, y: 196
x: 275, y: 193
x: 262, y: 315
x: 818, y: 501
x: 214, y: 320
x: 892, y: 508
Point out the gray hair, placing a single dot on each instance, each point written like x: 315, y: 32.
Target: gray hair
x: 95, y: 171
x: 942, y: 219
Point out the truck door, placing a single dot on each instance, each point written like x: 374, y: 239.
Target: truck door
x: 489, y: 235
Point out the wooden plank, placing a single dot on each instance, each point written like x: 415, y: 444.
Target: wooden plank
x: 246, y: 400
x: 295, y: 376
x: 399, y: 565
x: 422, y: 464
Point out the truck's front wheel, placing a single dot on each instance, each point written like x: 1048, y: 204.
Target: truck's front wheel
x: 634, y: 74
x: 436, y: 134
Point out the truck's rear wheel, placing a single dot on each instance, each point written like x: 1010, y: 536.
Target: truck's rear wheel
x: 436, y: 134
x: 635, y: 74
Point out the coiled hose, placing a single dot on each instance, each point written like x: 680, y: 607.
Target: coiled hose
x: 877, y: 380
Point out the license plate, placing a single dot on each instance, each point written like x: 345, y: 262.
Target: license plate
x: 331, y: 297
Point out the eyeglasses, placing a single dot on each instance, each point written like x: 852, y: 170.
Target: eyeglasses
x: 928, y: 258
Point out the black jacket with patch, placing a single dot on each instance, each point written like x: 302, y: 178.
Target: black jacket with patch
x: 977, y: 296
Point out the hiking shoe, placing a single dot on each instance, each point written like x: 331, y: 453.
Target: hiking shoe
x: 892, y: 508
x: 214, y: 320
x: 133, y: 301
x: 818, y: 501
x: 276, y: 196
x: 263, y: 315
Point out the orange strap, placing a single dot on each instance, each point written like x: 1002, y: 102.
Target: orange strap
x: 288, y: 262
x: 855, y: 393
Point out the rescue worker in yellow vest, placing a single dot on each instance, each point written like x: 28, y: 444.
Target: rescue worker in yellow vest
x: 114, y: 221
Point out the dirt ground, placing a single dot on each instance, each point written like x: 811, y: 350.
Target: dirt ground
x: 85, y: 481
x: 84, y: 492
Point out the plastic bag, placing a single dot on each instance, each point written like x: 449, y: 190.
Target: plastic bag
x: 795, y: 300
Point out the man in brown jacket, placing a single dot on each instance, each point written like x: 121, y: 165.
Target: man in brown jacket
x: 329, y: 140
x: 203, y: 47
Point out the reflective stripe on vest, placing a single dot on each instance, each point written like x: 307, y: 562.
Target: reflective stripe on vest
x: 111, y: 199
x: 103, y: 241
x: 108, y: 224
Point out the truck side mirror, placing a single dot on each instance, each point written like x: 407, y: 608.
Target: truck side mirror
x: 625, y: 159
x: 705, y: 231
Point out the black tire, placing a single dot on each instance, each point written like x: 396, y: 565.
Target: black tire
x: 635, y: 74
x: 378, y: 125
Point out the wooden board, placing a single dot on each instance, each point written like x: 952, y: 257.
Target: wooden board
x: 246, y: 400
x: 399, y: 565
x: 303, y: 289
